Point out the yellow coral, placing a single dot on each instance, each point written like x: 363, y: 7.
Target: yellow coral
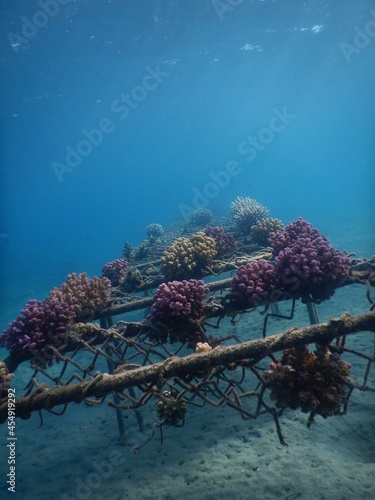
x: 204, y: 247
x: 179, y: 260
x: 187, y: 256
x: 202, y: 347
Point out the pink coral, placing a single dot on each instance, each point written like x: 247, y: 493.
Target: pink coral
x: 254, y: 282
x: 177, y: 300
x: 40, y: 324
x: 84, y: 295
x: 305, y: 261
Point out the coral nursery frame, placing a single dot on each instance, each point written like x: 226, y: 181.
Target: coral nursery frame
x: 145, y: 362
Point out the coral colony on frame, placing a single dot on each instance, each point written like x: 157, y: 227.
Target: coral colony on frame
x: 194, y: 283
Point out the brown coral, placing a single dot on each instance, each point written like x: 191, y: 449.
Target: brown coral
x: 171, y: 410
x: 262, y: 229
x: 131, y: 281
x: 315, y: 382
x: 84, y: 295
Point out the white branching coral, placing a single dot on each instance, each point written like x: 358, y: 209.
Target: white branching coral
x: 246, y: 213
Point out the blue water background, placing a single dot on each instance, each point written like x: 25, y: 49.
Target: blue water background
x: 223, y: 76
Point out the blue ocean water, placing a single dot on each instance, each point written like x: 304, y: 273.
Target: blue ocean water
x: 116, y: 114
x: 216, y: 73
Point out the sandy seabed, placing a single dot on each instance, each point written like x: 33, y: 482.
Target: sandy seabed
x: 216, y: 455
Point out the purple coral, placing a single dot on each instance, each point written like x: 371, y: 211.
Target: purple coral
x: 178, y: 300
x: 305, y: 261
x: 254, y: 281
x: 115, y: 271
x: 299, y: 228
x: 38, y: 326
x: 225, y: 242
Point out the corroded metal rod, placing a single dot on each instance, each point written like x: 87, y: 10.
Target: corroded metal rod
x: 254, y: 350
